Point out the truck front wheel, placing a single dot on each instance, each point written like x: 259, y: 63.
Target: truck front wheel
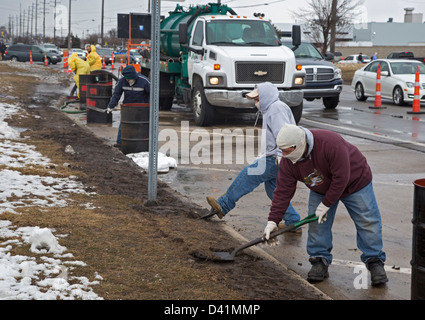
x: 331, y: 102
x: 203, y: 112
x: 297, y: 112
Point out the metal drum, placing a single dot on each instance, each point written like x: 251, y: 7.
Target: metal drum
x: 134, y: 127
x: 84, y: 80
x: 102, y: 76
x: 98, y: 96
x: 418, y: 244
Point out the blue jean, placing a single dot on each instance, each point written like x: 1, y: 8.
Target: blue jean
x: 119, y: 135
x: 261, y: 170
x: 363, y: 210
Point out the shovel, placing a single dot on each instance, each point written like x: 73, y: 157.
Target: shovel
x: 226, y: 256
x: 96, y: 109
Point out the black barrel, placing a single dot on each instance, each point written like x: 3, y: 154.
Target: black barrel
x: 102, y: 76
x: 134, y: 127
x: 98, y: 96
x: 84, y: 80
x: 418, y: 245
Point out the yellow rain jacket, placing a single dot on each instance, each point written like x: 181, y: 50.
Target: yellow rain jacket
x: 78, y: 66
x: 94, y: 59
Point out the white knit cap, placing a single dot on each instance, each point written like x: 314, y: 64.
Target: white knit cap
x: 292, y: 136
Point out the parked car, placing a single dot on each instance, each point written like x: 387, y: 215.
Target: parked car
x: 50, y: 47
x: 323, y: 80
x: 122, y: 51
x: 397, y: 80
x: 135, y: 56
x: 21, y: 52
x: 107, y: 52
x: 354, y: 58
x: 79, y: 52
x: 404, y: 55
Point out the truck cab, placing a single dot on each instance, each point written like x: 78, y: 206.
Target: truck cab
x: 211, y: 57
x: 229, y: 55
x: 323, y: 79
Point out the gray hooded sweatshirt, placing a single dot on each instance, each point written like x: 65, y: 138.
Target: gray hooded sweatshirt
x: 275, y: 114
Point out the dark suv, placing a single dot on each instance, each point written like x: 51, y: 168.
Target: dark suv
x: 323, y: 80
x: 21, y: 52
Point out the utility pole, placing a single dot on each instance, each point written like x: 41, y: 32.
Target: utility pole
x: 101, y: 23
x: 36, y: 14
x: 54, y: 24
x: 333, y: 25
x: 44, y: 20
x: 69, y: 26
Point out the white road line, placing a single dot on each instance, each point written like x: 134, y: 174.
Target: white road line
x: 365, y: 133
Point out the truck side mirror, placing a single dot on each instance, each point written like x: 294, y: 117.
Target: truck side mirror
x: 296, y: 36
x: 183, y: 33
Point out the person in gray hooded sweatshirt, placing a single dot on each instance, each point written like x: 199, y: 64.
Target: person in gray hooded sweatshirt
x: 265, y: 168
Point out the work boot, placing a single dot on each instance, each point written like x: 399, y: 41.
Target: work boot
x: 318, y: 271
x: 378, y: 275
x: 216, y: 207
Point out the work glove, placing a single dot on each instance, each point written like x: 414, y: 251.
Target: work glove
x: 108, y: 110
x: 270, y: 227
x: 321, y: 212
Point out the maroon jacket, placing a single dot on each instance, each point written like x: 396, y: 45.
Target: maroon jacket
x: 334, y: 168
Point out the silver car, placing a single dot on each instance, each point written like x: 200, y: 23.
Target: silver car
x: 79, y: 52
x: 397, y: 80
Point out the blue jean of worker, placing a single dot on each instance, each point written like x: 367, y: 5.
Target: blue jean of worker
x: 262, y: 170
x: 119, y: 135
x: 363, y: 210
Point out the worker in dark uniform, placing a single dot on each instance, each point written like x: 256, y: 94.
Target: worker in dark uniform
x: 136, y: 89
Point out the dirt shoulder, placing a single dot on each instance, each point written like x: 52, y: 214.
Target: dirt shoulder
x: 142, y: 252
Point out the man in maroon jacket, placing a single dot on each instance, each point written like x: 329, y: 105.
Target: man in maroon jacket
x: 334, y: 170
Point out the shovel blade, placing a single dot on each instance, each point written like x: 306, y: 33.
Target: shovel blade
x: 224, y: 256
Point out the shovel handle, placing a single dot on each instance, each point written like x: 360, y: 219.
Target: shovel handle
x: 293, y: 226
x: 312, y: 217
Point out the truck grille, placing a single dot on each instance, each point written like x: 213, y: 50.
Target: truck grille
x: 254, y: 72
x: 319, y: 74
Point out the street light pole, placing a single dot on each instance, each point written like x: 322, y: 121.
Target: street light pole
x: 69, y: 26
x: 101, y: 24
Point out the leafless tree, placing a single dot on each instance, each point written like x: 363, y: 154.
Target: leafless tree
x: 324, y: 19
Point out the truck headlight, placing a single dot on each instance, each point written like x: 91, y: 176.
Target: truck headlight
x: 215, y: 81
x: 337, y: 73
x: 299, y: 80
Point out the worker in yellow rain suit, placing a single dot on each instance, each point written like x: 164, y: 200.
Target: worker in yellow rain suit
x: 78, y: 66
x: 93, y: 58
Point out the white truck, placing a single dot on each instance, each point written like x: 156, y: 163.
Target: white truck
x: 211, y: 57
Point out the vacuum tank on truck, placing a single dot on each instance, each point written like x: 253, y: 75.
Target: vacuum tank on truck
x: 211, y: 57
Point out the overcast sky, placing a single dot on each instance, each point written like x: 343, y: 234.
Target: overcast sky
x: 86, y: 14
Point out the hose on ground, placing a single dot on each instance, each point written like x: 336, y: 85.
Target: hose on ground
x: 62, y: 108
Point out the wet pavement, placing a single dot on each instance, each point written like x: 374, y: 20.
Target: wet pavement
x: 394, y: 167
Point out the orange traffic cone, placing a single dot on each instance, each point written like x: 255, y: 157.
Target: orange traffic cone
x: 30, y: 57
x: 103, y: 61
x: 112, y: 61
x: 65, y: 60
x: 378, y: 90
x: 122, y: 64
x: 417, y: 98
x: 45, y: 58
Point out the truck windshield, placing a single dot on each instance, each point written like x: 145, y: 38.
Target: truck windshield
x: 305, y: 50
x: 241, y: 33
